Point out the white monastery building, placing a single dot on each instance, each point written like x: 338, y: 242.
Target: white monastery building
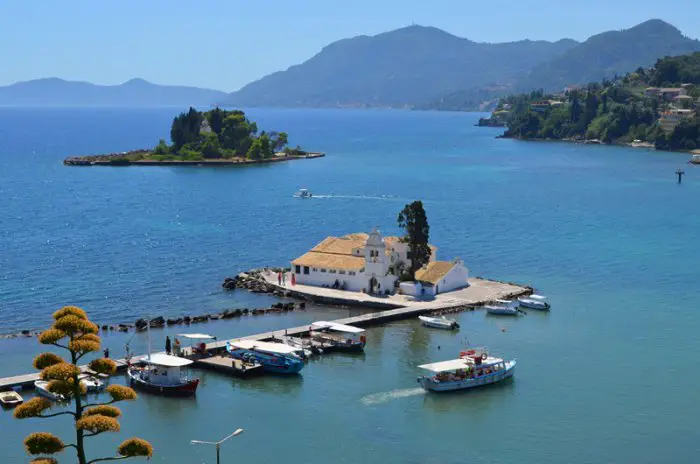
x: 372, y: 264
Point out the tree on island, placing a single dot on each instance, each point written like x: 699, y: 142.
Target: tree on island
x: 219, y: 134
x: 414, y: 221
x: 75, y: 333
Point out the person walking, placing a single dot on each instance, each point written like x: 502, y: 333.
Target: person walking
x: 284, y: 278
x: 294, y: 280
x: 177, y: 349
x: 279, y: 278
x: 167, y: 345
x: 106, y: 353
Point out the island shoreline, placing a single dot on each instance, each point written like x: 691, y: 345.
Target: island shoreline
x: 117, y: 160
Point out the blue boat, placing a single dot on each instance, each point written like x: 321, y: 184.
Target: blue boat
x: 276, y: 358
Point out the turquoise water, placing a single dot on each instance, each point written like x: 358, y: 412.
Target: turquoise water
x: 608, y: 376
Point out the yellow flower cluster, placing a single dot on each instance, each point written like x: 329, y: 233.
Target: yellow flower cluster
x: 103, y: 410
x: 135, y: 447
x: 121, y: 393
x: 32, y: 408
x: 43, y: 443
x: 98, y: 424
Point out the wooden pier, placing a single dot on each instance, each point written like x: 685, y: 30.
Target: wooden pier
x: 230, y: 366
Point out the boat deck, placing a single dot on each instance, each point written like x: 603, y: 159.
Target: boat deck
x: 228, y: 365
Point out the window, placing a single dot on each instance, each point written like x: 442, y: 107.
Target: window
x: 323, y: 270
x: 332, y: 271
x: 341, y: 272
x: 297, y: 269
x: 351, y: 272
x: 314, y: 269
x: 306, y: 269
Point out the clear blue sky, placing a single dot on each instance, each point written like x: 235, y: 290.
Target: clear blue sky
x: 225, y: 44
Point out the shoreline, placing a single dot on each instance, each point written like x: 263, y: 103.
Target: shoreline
x: 644, y: 145
x: 117, y: 159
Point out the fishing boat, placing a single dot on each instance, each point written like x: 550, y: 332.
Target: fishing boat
x: 92, y: 384
x: 276, y: 358
x: 339, y: 337
x: 439, y: 322
x: 303, y: 193
x: 503, y: 308
x: 10, y: 399
x: 302, y: 351
x: 163, y: 374
x: 534, y: 302
x: 41, y: 387
x: 471, y: 370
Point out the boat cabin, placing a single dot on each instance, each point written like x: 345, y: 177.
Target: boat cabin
x: 338, y: 336
x: 163, y: 369
x: 198, y: 344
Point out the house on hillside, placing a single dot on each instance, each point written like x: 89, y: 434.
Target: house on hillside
x: 540, y: 106
x: 372, y: 264
x: 665, y: 93
x: 671, y: 118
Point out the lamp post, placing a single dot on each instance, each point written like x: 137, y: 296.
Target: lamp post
x: 217, y: 443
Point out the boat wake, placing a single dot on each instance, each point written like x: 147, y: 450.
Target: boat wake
x: 358, y: 197
x: 385, y: 397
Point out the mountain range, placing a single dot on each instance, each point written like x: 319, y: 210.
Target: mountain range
x: 413, y: 67
x: 135, y: 92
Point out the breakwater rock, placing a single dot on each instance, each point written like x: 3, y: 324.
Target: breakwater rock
x: 253, y: 281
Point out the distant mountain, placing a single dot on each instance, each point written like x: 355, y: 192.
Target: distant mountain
x: 401, y: 68
x: 136, y: 92
x: 610, y: 53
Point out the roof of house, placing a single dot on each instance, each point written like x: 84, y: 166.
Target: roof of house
x: 341, y: 245
x: 330, y: 261
x: 683, y: 97
x: 434, y: 272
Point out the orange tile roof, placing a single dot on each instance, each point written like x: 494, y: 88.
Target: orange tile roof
x: 434, y: 271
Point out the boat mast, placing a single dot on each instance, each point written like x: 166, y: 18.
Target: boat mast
x: 148, y: 325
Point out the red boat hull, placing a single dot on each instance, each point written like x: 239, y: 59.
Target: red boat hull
x: 185, y: 389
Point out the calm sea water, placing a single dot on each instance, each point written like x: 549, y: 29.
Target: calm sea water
x: 608, y: 376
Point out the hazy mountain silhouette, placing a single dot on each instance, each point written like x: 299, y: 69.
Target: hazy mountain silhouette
x: 135, y: 92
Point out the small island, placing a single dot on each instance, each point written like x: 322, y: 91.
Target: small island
x: 215, y: 137
x: 654, y: 107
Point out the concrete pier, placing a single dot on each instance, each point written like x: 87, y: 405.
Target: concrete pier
x: 479, y: 292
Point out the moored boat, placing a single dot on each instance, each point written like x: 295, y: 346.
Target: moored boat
x: 10, y: 399
x: 471, y: 370
x: 439, y: 322
x: 276, y: 358
x: 92, y: 384
x: 41, y: 387
x: 163, y: 374
x: 534, y: 302
x: 339, y: 337
x: 503, y: 308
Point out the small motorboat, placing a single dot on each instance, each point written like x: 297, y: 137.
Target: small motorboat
x: 10, y: 399
x: 339, y: 337
x: 163, y: 374
x: 439, y: 322
x: 91, y: 384
x: 303, y: 193
x: 276, y: 358
x: 503, y: 308
x: 534, y: 302
x: 41, y: 387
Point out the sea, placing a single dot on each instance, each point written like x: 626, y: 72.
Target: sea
x: 607, y: 233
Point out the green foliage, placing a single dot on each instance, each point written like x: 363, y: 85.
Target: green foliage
x: 674, y: 70
x: 686, y: 136
x: 73, y: 332
x: 162, y: 148
x: 415, y: 223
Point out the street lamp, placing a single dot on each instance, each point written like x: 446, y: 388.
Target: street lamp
x: 217, y: 443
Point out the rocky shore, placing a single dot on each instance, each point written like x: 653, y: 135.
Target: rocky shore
x: 141, y: 158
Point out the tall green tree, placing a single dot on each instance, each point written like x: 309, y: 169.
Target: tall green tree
x: 415, y: 224
x: 73, y: 332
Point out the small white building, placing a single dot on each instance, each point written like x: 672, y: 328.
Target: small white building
x: 442, y: 276
x: 366, y: 263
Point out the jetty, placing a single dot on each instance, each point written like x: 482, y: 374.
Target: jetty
x: 395, y: 307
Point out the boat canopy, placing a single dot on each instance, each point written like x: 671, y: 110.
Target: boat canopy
x: 320, y: 325
x: 444, y: 366
x: 165, y: 360
x: 197, y: 336
x: 278, y: 348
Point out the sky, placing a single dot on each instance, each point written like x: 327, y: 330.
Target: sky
x: 224, y: 44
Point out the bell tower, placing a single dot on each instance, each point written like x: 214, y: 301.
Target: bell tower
x: 375, y: 255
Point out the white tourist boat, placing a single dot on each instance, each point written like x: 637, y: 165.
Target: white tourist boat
x: 41, y: 387
x: 339, y: 337
x: 503, y: 308
x: 534, y: 302
x: 303, y: 193
x: 10, y: 399
x: 162, y: 374
x: 475, y: 369
x: 441, y: 322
